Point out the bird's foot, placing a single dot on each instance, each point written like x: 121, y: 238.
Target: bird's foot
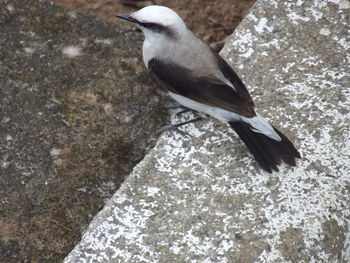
x: 175, y: 127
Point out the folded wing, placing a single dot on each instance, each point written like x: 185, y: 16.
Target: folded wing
x: 204, y: 89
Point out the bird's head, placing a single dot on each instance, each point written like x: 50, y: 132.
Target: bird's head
x: 157, y: 20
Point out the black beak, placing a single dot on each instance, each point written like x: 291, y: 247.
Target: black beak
x: 127, y: 17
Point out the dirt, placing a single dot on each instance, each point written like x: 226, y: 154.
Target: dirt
x: 211, y: 20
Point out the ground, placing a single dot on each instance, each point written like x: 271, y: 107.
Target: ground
x: 213, y: 21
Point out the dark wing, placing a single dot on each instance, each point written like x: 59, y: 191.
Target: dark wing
x: 231, y: 75
x: 207, y: 90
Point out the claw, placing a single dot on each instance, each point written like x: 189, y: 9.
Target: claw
x: 178, y: 114
x: 173, y: 128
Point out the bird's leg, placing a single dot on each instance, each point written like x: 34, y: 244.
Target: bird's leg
x: 175, y: 127
x: 187, y: 122
x: 177, y: 106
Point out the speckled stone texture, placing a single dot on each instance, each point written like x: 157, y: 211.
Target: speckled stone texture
x: 204, y: 199
x: 77, y: 112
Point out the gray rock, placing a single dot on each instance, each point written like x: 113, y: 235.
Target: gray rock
x: 77, y: 113
x: 205, y: 199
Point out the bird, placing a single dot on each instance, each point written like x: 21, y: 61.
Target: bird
x: 198, y: 78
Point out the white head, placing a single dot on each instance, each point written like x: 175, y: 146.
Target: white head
x: 157, y: 20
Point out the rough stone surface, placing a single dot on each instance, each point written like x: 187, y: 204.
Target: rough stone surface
x: 204, y: 199
x: 77, y: 111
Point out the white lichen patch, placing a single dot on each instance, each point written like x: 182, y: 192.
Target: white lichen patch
x: 103, y: 41
x: 5, y: 164
x: 344, y: 4
x: 55, y: 152
x: 295, y: 18
x: 108, y: 108
x: 29, y: 50
x: 72, y: 51
x: 325, y: 32
x: 344, y: 42
x: 10, y: 8
x: 317, y: 15
x: 152, y: 191
x: 73, y: 14
x: 262, y: 26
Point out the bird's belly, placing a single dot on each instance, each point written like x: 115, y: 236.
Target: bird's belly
x: 218, y: 113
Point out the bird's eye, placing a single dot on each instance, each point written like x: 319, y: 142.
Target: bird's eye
x: 157, y: 28
x: 149, y: 25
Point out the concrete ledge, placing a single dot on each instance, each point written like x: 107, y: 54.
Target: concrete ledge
x: 205, y: 200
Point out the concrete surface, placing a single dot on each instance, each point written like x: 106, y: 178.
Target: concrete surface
x: 204, y: 199
x: 77, y: 113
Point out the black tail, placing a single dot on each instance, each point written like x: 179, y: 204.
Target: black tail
x: 267, y: 152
